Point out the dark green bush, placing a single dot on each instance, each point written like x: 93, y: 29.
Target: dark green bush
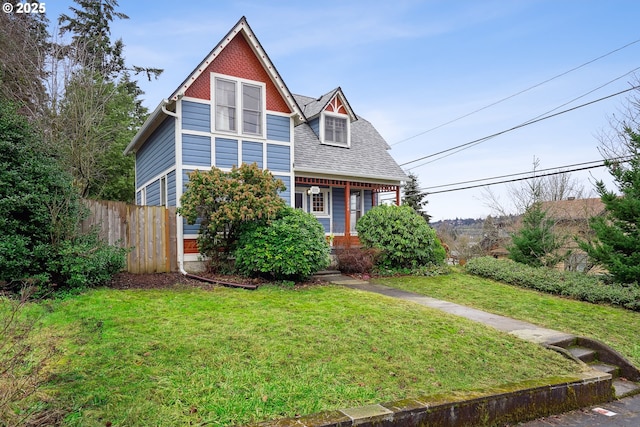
x: 291, y: 247
x: 40, y: 211
x: 566, y: 283
x: 404, y: 238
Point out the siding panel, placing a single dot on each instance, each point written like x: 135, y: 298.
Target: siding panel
x: 171, y: 188
x: 157, y: 154
x: 196, y: 150
x: 278, y: 128
x: 153, y: 193
x: 338, y: 210
x: 278, y: 158
x: 196, y: 116
x: 286, y: 194
x: 226, y: 152
x: 252, y: 153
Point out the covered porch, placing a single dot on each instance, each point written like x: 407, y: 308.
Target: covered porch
x: 339, y: 203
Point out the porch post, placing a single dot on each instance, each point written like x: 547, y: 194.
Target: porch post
x: 397, y: 195
x: 347, y: 214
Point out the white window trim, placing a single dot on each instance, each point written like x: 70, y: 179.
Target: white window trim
x: 164, y: 195
x: 239, y: 107
x: 143, y: 196
x: 302, y: 191
x: 338, y: 116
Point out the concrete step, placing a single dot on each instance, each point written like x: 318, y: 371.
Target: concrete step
x: 585, y: 354
x: 606, y: 368
x: 624, y: 388
x: 327, y: 273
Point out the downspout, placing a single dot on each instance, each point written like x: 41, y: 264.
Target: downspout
x: 180, y: 248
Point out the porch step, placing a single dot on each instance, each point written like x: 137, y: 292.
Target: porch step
x: 328, y: 275
x: 606, y: 368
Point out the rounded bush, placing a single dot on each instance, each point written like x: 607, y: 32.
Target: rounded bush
x: 404, y: 238
x: 291, y: 247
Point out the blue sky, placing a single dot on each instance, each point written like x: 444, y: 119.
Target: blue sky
x: 410, y: 66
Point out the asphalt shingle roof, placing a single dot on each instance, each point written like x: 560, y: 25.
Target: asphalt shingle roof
x: 367, y: 157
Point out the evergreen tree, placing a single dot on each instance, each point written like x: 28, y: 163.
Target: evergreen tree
x: 414, y: 197
x: 535, y: 243
x: 617, y: 243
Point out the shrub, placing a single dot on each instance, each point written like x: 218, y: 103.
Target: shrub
x: 403, y: 237
x: 291, y: 247
x: 40, y: 211
x: 355, y: 260
x: 566, y: 283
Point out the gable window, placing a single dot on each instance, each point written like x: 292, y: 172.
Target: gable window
x: 335, y: 130
x: 239, y: 106
x: 251, y: 109
x: 225, y: 105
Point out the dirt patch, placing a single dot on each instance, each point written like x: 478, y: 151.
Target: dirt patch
x: 170, y: 280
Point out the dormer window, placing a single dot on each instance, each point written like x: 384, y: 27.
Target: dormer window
x: 239, y: 106
x: 335, y: 130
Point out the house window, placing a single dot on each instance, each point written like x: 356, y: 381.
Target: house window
x: 225, y: 105
x: 335, y: 130
x: 299, y: 202
x: 239, y: 106
x: 163, y: 191
x: 251, y: 109
x: 320, y: 203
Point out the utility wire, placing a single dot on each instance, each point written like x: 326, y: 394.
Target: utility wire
x: 476, y: 141
x: 465, y: 147
x: 564, y: 170
x: 515, y: 94
x: 515, y: 179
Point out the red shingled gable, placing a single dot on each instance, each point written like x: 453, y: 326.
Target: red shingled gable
x: 238, y: 59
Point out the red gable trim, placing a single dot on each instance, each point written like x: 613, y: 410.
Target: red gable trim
x: 238, y: 60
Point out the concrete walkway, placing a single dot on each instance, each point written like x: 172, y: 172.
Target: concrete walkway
x: 523, y: 330
x: 625, y: 412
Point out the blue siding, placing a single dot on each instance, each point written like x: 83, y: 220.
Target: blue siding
x: 153, y: 193
x: 196, y: 116
x: 278, y: 158
x: 252, y: 153
x: 196, y: 150
x: 188, y: 228
x: 226, y: 152
x: 286, y: 194
x: 171, y: 188
x: 326, y: 223
x: 278, y: 128
x: 367, y: 201
x: 138, y: 197
x: 338, y: 210
x: 315, y: 126
x: 157, y: 154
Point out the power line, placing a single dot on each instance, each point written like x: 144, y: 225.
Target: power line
x: 530, y: 122
x: 516, y: 94
x: 516, y: 179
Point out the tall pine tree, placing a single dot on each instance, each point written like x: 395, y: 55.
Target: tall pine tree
x: 414, y: 197
x: 617, y: 243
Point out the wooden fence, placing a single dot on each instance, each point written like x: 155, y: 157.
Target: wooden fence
x: 149, y: 232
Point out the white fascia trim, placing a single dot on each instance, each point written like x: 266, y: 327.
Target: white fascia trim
x: 144, y: 129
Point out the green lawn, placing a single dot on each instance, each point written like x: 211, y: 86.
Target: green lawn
x: 615, y: 326
x: 224, y: 356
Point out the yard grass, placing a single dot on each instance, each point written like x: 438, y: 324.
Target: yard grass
x: 614, y: 326
x: 225, y: 357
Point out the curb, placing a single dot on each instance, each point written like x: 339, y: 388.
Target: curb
x: 497, y: 409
